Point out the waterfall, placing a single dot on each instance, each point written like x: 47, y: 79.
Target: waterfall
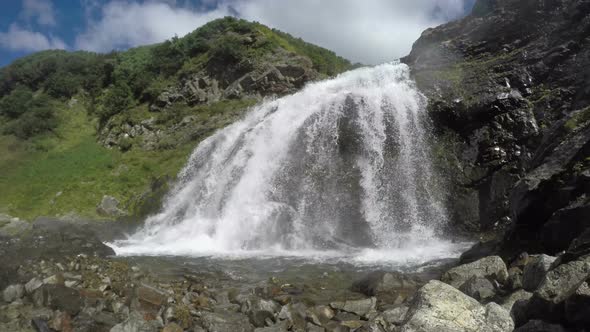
x: 342, y: 165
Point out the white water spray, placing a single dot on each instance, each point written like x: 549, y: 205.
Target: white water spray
x: 341, y: 167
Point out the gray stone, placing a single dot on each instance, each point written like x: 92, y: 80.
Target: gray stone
x: 135, y: 323
x: 278, y: 327
x: 59, y: 297
x: 396, y: 315
x: 294, y: 313
x: 359, y: 307
x: 226, y: 321
x: 440, y: 307
x: 389, y: 287
x: 152, y: 295
x: 33, y: 285
x: 535, y: 271
x: 478, y: 288
x: 13, y: 292
x: 492, y: 267
x: 109, y: 206
x: 563, y: 281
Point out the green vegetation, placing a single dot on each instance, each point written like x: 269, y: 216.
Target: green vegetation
x: 577, y: 119
x: 54, y: 104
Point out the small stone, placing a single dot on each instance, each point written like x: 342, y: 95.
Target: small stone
x: 358, y: 307
x: 395, y: 316
x: 61, y: 322
x: 172, y: 327
x: 13, y: 292
x: 33, y: 285
x: 149, y: 294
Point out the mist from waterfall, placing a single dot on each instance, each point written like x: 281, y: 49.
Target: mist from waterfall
x: 341, y: 168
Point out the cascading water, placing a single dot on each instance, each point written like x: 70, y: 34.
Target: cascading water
x: 342, y: 167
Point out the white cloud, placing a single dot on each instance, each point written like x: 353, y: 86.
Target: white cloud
x: 40, y: 10
x: 124, y: 24
x: 369, y: 31
x: 19, y: 39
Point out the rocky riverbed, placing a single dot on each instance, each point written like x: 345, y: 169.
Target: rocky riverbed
x: 59, y: 276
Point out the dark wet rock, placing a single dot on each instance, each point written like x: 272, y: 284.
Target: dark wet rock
x: 59, y: 297
x: 358, y: 307
x: 479, y: 251
x: 438, y: 306
x: 519, y: 295
x: 577, y: 307
x: 40, y: 325
x: 226, y: 321
x: 508, y: 94
x: 514, y: 281
x: 535, y: 271
x: 390, y: 287
x: 540, y: 326
x: 492, y: 267
x: 479, y: 288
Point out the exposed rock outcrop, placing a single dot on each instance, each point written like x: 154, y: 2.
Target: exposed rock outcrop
x: 509, y: 93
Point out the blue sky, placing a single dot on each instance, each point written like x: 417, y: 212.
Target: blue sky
x: 368, y: 31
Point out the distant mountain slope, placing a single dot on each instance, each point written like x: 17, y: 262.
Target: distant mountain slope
x: 75, y: 126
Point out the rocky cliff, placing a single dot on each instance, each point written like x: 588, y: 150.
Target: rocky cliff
x: 509, y: 91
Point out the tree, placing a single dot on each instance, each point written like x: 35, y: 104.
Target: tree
x: 16, y: 103
x: 117, y: 98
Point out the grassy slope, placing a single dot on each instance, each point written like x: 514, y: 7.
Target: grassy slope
x: 66, y: 171
x: 72, y: 163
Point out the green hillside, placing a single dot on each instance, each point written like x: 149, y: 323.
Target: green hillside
x: 59, y: 112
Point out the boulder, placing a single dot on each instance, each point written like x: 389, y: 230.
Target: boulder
x: 226, y: 321
x: 13, y: 292
x: 479, y: 288
x: 535, y: 271
x: 440, y: 307
x: 558, y: 285
x: 492, y: 267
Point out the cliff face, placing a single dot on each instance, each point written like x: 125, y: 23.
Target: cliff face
x: 509, y: 90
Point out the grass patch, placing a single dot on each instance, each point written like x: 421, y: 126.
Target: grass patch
x: 68, y: 172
